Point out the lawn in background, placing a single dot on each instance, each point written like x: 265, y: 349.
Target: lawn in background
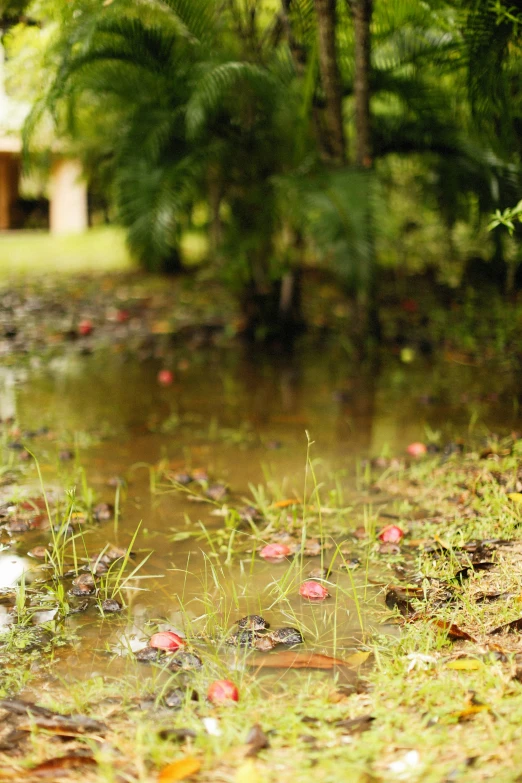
x: 37, y: 252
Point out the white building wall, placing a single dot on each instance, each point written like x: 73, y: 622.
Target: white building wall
x: 68, y: 197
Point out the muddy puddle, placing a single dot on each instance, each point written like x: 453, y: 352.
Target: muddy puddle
x: 243, y: 420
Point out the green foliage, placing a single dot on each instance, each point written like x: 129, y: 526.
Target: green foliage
x: 180, y: 103
x: 507, y: 218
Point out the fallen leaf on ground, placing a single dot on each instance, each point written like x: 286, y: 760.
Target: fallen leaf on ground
x: 468, y: 713
x: 453, y: 631
x: 400, y: 599
x: 286, y: 659
x: 249, y: 772
x: 514, y: 625
x: 179, y: 770
x: 464, y: 664
x: 466, y: 572
x: 51, y: 766
x: 257, y: 740
x: 472, y: 708
x: 355, y: 725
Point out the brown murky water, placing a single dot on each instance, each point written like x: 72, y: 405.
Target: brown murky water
x: 244, y: 419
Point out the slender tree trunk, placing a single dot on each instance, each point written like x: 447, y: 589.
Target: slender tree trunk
x: 331, y: 80
x: 215, y: 196
x: 362, y: 15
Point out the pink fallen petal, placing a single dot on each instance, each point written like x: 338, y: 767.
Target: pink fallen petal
x: 313, y: 591
x: 165, y: 377
x: 166, y: 640
x: 222, y: 691
x: 391, y: 534
x: 275, y: 552
x: 416, y: 449
x: 85, y: 327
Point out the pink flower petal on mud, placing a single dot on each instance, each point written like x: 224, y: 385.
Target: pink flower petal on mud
x: 391, y: 534
x: 222, y: 691
x: 416, y: 449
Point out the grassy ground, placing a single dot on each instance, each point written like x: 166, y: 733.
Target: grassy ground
x: 39, y: 253
x: 440, y: 698
x: 97, y: 251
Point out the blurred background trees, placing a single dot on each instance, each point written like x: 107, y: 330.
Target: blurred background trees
x: 349, y: 135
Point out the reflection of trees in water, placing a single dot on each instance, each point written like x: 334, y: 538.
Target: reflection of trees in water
x: 356, y: 412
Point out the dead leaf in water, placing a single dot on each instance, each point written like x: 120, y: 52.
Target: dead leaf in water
x: 179, y: 770
x: 286, y: 659
x: 357, y: 659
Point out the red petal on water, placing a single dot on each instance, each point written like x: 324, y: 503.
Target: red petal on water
x: 166, y: 640
x: 313, y: 591
x: 275, y: 552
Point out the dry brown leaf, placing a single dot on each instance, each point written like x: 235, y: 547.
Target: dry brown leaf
x: 453, y: 631
x: 47, y: 769
x: 514, y: 625
x: 179, y: 770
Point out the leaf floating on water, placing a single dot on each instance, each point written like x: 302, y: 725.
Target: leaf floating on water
x: 514, y: 625
x: 357, y: 659
x: 464, y: 664
x: 179, y: 770
x: 286, y: 659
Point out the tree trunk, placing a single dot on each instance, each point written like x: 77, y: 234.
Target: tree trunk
x: 331, y: 81
x: 362, y: 15
x: 215, y: 197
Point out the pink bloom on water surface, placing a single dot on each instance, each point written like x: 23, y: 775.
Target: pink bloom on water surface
x: 222, y: 691
x: 165, y: 377
x: 416, y: 449
x: 313, y: 591
x: 391, y: 534
x: 166, y: 640
x: 275, y: 552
